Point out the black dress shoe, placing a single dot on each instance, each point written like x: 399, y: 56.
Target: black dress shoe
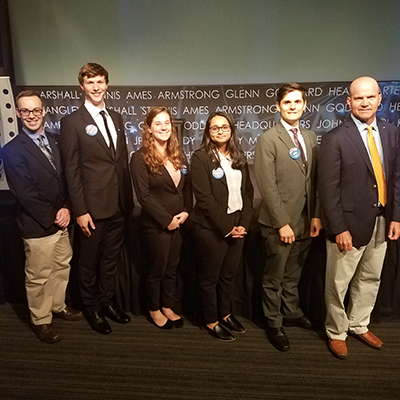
x: 302, y: 322
x: 220, y: 333
x: 116, y: 314
x: 278, y: 338
x: 178, y: 323
x: 233, y: 324
x: 69, y: 314
x: 168, y: 325
x: 98, y: 323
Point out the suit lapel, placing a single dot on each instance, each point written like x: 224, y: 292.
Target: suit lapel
x: 168, y: 179
x: 55, y: 152
x: 120, y: 135
x: 307, y: 142
x: 385, y: 145
x: 32, y: 148
x: 287, y: 140
x: 88, y: 120
x: 354, y: 134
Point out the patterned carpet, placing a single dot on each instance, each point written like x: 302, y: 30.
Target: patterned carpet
x: 138, y: 361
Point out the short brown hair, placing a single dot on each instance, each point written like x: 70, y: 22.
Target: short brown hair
x: 290, y: 87
x: 28, y: 93
x: 90, y: 70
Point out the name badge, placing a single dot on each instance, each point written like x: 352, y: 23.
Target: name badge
x: 91, y: 130
x: 218, y: 173
x: 294, y: 153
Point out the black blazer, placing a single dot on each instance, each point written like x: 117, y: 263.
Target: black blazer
x: 97, y: 183
x: 347, y: 186
x: 37, y: 186
x: 159, y: 197
x: 211, y: 194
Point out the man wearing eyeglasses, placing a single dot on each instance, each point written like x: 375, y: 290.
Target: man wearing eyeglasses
x: 34, y: 174
x: 285, y: 168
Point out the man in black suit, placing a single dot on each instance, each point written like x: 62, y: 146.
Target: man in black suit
x: 359, y: 189
x: 94, y: 152
x: 34, y: 174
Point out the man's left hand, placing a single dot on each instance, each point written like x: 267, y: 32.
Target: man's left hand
x: 315, y: 227
x: 63, y: 217
x: 394, y: 230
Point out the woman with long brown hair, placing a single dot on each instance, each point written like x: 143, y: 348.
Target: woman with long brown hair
x: 161, y: 180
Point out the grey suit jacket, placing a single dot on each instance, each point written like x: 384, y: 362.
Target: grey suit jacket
x: 286, y: 187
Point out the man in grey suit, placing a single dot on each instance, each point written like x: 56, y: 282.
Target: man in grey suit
x: 285, y: 168
x: 359, y: 185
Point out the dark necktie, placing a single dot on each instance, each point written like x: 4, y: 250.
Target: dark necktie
x: 112, y: 148
x: 46, y: 151
x: 298, y: 145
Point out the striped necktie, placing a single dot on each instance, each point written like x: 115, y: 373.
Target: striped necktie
x: 298, y: 145
x: 46, y: 150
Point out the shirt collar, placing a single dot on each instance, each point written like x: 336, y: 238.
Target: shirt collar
x: 289, y: 127
x: 34, y: 135
x: 93, y: 110
x: 362, y: 126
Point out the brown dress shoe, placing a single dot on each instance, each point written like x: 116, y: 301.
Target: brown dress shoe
x: 371, y: 340
x: 46, y: 333
x: 338, y: 348
x: 69, y: 314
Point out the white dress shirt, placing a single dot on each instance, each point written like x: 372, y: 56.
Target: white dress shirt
x: 95, y: 113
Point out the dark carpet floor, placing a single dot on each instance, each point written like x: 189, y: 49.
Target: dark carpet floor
x: 139, y: 361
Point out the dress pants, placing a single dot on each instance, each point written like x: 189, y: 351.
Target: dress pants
x: 282, y: 272
x: 357, y: 270
x: 47, y: 274
x: 219, y: 261
x: 163, y: 250
x: 98, y: 260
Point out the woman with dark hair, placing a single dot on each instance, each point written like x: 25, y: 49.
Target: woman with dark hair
x: 162, y: 186
x: 221, y: 216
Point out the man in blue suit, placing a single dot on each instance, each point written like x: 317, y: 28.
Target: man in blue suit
x: 34, y: 174
x: 359, y: 191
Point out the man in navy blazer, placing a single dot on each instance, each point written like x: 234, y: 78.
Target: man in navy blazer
x: 34, y: 174
x: 94, y: 153
x: 359, y: 190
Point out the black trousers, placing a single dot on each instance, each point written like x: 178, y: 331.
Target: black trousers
x: 98, y: 260
x: 163, y: 252
x: 219, y: 261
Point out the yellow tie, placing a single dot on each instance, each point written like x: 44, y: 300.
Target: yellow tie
x: 377, y: 166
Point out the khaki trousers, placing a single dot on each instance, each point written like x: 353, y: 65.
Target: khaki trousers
x: 359, y: 271
x: 46, y: 274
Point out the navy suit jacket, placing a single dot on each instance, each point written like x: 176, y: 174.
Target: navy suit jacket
x: 97, y: 184
x: 348, y: 189
x: 37, y: 186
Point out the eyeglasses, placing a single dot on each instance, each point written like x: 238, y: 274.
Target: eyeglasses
x: 37, y: 112
x: 215, y: 128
